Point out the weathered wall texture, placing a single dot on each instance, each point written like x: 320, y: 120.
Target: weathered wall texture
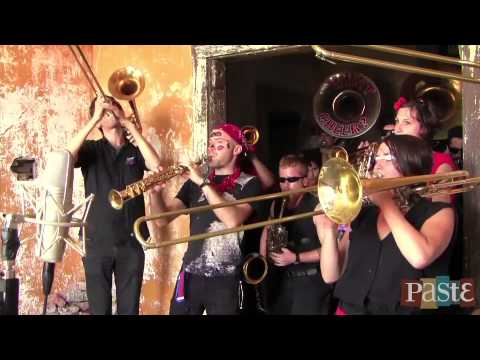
x: 471, y: 162
x: 44, y: 100
x: 43, y: 97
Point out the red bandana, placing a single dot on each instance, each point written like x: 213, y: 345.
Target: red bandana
x: 228, y: 182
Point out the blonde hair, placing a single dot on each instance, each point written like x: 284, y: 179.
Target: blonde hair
x: 293, y: 160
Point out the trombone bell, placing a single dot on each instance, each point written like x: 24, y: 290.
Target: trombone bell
x: 340, y: 191
x: 126, y: 83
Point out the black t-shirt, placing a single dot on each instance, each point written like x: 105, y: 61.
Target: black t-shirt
x: 104, y: 169
x: 302, y: 234
x: 375, y: 268
x: 221, y: 255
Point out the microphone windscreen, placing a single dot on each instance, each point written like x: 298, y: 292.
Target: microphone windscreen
x: 57, y: 182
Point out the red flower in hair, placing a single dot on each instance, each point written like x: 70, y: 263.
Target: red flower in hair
x: 399, y: 103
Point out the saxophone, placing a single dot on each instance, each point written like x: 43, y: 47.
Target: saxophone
x: 277, y: 234
x: 365, y: 159
x: 117, y: 198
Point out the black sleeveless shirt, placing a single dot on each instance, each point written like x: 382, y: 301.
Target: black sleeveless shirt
x: 372, y: 279
x: 302, y: 234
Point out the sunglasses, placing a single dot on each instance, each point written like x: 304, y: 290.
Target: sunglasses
x: 291, y: 179
x: 387, y: 157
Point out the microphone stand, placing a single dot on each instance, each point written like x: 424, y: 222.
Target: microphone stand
x: 9, y: 284
x: 47, y: 281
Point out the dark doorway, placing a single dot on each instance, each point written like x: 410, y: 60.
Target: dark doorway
x: 283, y: 127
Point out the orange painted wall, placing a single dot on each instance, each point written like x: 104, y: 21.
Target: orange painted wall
x: 43, y: 97
x: 44, y: 100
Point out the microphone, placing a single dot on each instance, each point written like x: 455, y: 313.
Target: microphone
x: 57, y: 185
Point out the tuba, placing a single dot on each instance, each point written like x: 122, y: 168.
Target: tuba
x: 346, y: 105
x: 444, y: 94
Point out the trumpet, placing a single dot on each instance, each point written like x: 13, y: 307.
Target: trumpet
x: 118, y: 198
x: 340, y: 191
x: 251, y: 134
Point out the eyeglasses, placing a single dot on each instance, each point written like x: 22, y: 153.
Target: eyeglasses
x: 291, y: 179
x: 387, y: 157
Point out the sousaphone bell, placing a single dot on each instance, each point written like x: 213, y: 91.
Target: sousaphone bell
x: 347, y: 105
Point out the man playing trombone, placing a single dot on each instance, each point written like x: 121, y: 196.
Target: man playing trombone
x: 209, y: 277
x: 112, y: 163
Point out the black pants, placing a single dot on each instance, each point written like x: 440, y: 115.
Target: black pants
x: 127, y: 263
x: 217, y: 295
x: 302, y: 295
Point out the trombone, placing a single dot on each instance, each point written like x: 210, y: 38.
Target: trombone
x: 326, y: 55
x: 124, y: 84
x: 340, y: 192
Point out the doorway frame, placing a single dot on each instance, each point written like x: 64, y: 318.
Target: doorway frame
x: 209, y: 90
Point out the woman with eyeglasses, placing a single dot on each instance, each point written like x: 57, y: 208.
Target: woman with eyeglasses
x: 388, y: 243
x: 418, y: 118
x: 301, y: 289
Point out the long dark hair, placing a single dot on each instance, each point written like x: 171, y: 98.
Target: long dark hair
x: 426, y: 114
x: 413, y: 155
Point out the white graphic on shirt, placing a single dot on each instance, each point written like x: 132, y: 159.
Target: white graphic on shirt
x: 220, y: 255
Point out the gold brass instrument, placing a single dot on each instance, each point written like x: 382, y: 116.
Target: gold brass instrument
x: 277, y: 235
x: 346, y: 105
x: 125, y: 84
x: 251, y: 134
x: 340, y: 192
x: 255, y: 268
x: 362, y: 159
x: 338, y: 152
x: 445, y: 94
x: 118, y: 198
x: 326, y: 55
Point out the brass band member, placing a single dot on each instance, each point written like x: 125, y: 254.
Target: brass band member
x: 210, y: 273
x: 418, y: 118
x: 301, y: 288
x: 388, y: 242
x: 112, y: 163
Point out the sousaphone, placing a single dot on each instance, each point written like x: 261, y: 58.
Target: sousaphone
x: 445, y: 94
x: 347, y: 105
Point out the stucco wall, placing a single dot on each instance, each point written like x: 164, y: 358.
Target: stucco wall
x: 44, y: 100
